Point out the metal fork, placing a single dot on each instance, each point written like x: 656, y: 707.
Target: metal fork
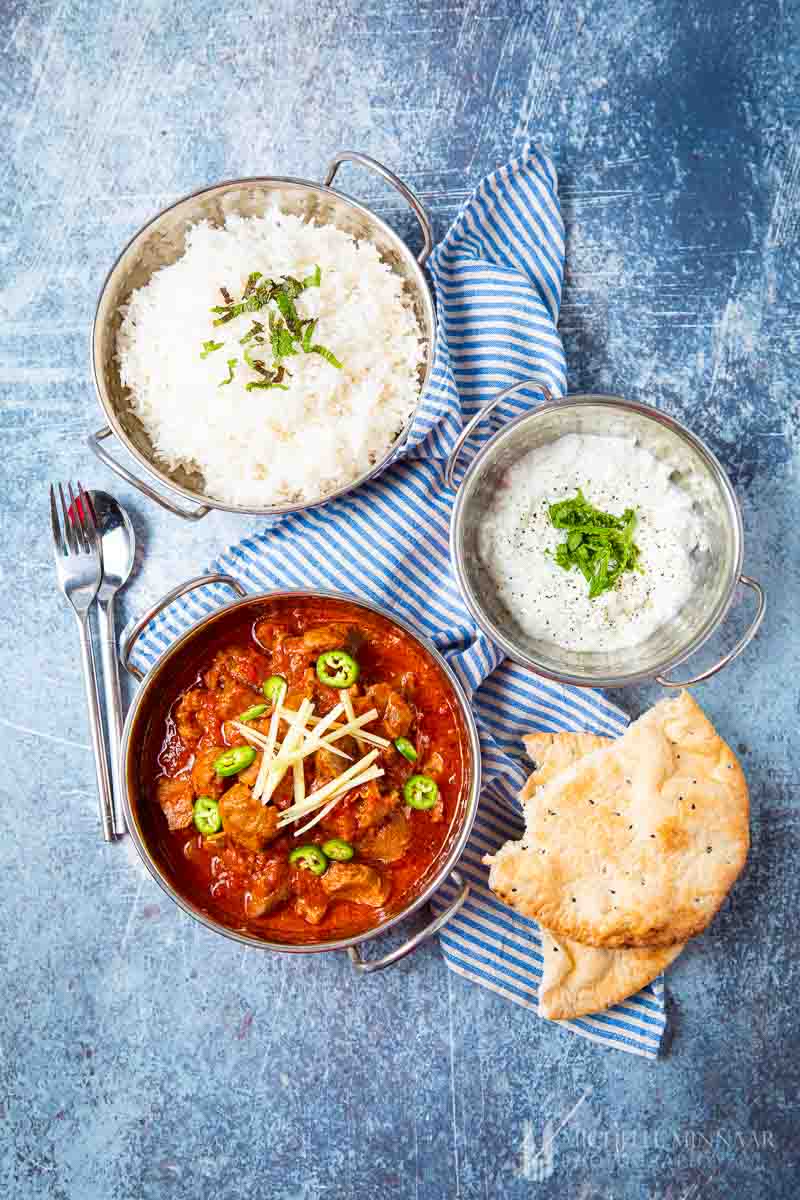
x: 79, y: 566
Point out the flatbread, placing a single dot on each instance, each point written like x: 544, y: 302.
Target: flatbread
x: 636, y: 844
x: 578, y: 979
x: 584, y: 979
x: 553, y: 752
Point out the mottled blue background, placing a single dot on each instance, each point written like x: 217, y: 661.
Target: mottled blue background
x: 143, y: 1057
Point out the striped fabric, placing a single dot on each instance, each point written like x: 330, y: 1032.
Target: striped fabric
x: 497, y: 277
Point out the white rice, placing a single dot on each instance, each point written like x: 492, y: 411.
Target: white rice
x: 267, y: 447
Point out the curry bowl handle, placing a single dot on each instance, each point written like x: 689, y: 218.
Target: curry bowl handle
x: 131, y: 637
x: 405, y: 191
x: 484, y: 412
x: 742, y: 644
x: 93, y: 442
x: 366, y: 967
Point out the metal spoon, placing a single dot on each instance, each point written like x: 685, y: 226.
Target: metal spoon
x: 119, y: 543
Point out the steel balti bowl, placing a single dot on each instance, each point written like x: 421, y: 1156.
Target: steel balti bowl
x: 162, y: 241
x: 694, y: 468
x: 143, y: 728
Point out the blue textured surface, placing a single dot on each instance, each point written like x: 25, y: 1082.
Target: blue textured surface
x: 141, y: 1056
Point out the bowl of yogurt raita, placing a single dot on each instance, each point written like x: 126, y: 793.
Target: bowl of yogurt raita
x: 598, y: 541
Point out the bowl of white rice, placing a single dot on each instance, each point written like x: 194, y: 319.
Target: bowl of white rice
x: 262, y: 346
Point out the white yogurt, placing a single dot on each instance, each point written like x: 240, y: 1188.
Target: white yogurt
x: 552, y: 604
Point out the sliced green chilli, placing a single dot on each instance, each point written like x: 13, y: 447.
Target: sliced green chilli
x: 406, y: 748
x: 311, y: 858
x: 273, y: 687
x: 232, y: 761
x: 421, y: 792
x: 206, y: 815
x: 338, y: 849
x: 252, y: 714
x: 337, y: 668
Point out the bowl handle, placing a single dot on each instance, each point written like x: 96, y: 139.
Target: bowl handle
x: 479, y: 416
x: 743, y: 642
x: 130, y: 638
x: 93, y: 441
x: 378, y: 964
x: 372, y: 164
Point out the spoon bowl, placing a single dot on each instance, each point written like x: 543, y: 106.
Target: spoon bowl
x: 118, y: 541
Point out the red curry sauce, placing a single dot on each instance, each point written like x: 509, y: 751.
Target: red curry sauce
x: 242, y: 876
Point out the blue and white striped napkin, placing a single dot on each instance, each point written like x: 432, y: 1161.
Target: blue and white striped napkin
x: 497, y: 276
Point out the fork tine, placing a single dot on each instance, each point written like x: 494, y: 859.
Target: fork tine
x: 58, y: 540
x: 76, y: 510
x: 88, y: 512
x: 90, y: 522
x: 69, y: 531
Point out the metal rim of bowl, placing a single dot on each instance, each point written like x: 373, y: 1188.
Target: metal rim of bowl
x: 209, y: 501
x: 604, y: 400
x: 449, y: 862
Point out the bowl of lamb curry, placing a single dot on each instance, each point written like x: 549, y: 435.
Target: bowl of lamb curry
x: 302, y: 770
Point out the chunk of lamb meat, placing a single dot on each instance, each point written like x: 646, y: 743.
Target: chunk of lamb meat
x: 237, y: 664
x: 205, y: 780
x: 246, y: 820
x: 393, y: 710
x: 190, y: 712
x: 433, y: 765
x: 302, y: 688
x: 340, y: 822
x: 310, y: 901
x: 374, y: 806
x: 356, y: 882
x: 177, y: 801
x: 230, y: 702
x: 283, y: 794
x: 268, y: 889
x: 250, y: 774
x: 389, y: 841
x: 271, y: 633
x: 293, y: 699
x: 325, y: 637
x: 328, y: 765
